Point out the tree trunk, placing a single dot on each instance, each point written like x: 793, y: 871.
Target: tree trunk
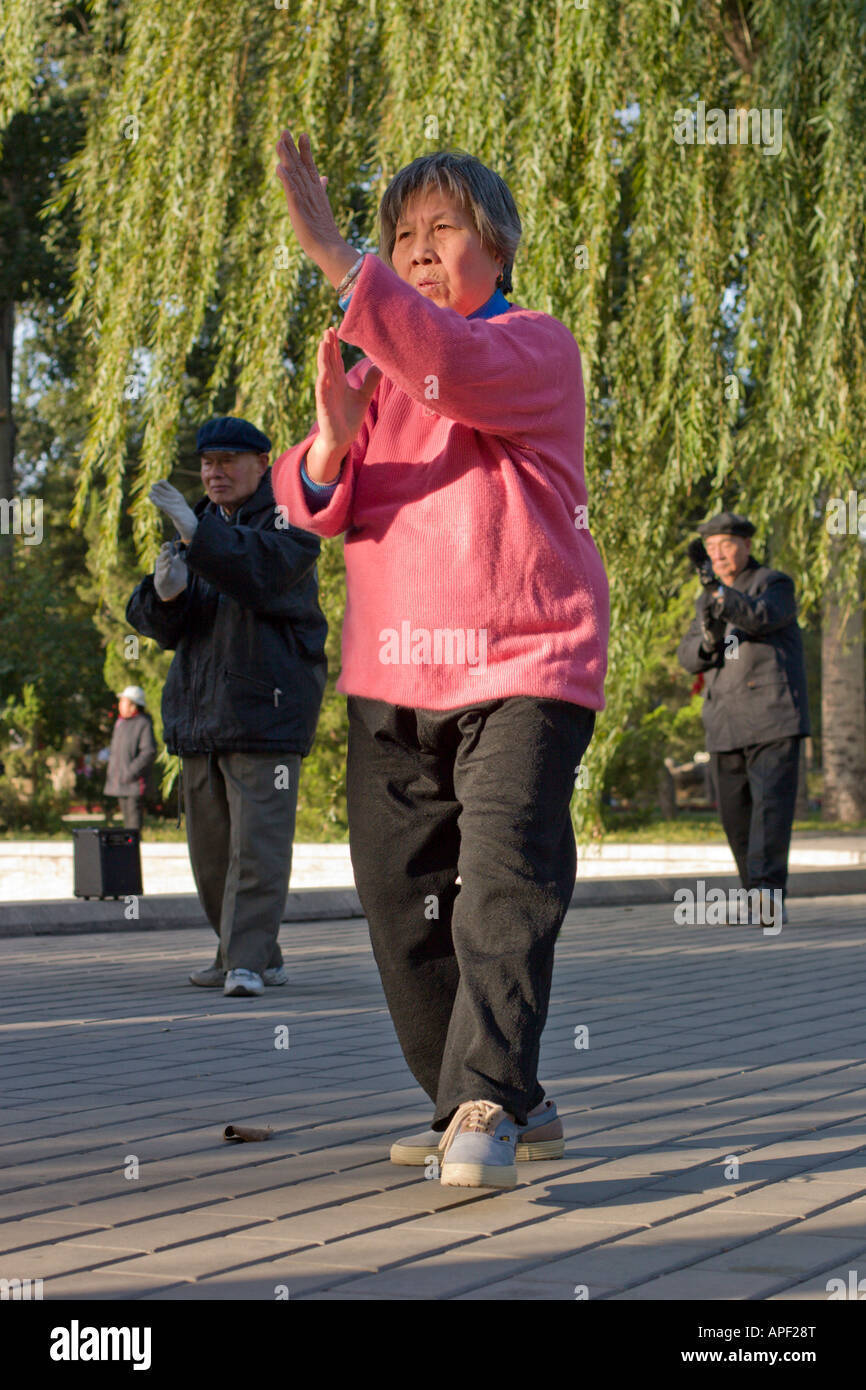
x: 7, y: 427
x: 801, y: 809
x: 843, y: 705
x: 666, y: 792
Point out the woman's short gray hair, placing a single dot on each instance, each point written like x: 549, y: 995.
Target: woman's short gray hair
x: 476, y: 188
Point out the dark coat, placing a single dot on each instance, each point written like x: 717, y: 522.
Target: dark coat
x: 132, y: 753
x: 249, y: 636
x: 759, y: 695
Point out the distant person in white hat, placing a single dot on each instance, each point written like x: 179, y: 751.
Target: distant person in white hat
x: 132, y: 754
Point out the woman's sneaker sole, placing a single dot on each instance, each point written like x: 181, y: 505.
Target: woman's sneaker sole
x: 416, y: 1156
x: 540, y: 1148
x: 478, y: 1175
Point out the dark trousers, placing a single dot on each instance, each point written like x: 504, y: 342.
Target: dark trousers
x: 483, y: 792
x: 756, y: 789
x: 131, y: 810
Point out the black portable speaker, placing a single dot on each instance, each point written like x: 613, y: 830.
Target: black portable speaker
x: 107, y: 863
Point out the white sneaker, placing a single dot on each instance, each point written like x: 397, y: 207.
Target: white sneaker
x: 277, y: 975
x: 241, y: 982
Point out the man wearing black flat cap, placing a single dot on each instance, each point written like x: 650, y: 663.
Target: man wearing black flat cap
x: 746, y: 640
x: 236, y: 596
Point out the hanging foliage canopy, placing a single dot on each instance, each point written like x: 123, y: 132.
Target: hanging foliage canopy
x: 692, y: 185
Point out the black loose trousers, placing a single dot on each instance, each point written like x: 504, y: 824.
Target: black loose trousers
x: 757, y: 792
x: 482, y: 791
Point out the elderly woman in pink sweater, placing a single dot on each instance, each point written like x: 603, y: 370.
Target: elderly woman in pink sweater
x: 474, y: 640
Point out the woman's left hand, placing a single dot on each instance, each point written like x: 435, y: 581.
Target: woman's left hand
x: 309, y: 208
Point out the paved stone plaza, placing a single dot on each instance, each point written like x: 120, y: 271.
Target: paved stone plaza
x: 706, y: 1045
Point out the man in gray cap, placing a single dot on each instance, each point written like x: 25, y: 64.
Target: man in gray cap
x: 237, y: 598
x: 746, y: 640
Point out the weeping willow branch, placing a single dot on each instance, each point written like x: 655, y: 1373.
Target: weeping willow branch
x: 715, y: 289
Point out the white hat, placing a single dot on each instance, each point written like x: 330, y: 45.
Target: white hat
x: 135, y: 694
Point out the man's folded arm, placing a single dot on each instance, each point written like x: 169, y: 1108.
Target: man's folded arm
x: 768, y: 611
x: 257, y: 568
x: 164, y: 621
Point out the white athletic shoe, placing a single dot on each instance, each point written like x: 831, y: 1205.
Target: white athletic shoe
x: 241, y: 982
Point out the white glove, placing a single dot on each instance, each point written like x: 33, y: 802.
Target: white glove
x: 173, y: 503
x: 170, y: 573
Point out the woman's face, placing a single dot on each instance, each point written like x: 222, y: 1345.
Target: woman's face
x: 438, y: 251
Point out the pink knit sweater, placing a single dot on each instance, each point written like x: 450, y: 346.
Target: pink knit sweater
x: 471, y: 573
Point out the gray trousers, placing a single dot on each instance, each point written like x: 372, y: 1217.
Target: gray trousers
x: 240, y: 822
x: 131, y: 810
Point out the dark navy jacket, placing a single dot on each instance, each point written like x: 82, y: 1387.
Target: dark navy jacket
x: 249, y: 636
x: 759, y: 695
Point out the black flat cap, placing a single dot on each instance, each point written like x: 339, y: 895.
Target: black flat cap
x: 232, y: 433
x: 726, y: 524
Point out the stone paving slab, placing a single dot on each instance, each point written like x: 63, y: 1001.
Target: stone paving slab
x: 100, y: 1287
x: 699, y: 1285
x: 704, y: 1044
x: 525, y: 1289
x: 306, y: 1274
x: 819, y: 1287
x: 788, y: 1253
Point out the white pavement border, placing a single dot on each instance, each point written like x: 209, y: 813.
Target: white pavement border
x: 39, y: 870
x: 166, y: 912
